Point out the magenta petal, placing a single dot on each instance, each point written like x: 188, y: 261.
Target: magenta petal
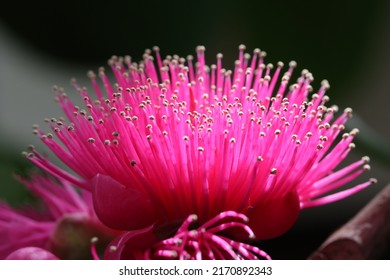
x: 120, y: 207
x: 274, y: 217
x: 31, y: 253
x: 131, y: 245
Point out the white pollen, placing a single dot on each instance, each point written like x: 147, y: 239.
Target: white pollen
x: 200, y: 48
x: 94, y: 239
x: 113, y: 248
x: 292, y: 64
x: 320, y: 147
x: 366, y: 167
x: 366, y: 159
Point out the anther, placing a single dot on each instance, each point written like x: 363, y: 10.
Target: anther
x: 366, y: 159
x: 113, y: 248
x: 348, y: 112
x: 345, y: 135
x: 292, y: 64
x: 354, y: 132
x: 325, y: 84
x: 194, y: 217
x: 94, y: 239
x: 200, y: 48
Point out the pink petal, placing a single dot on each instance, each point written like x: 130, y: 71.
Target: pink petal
x: 31, y: 253
x: 120, y: 207
x: 274, y: 217
x: 131, y: 245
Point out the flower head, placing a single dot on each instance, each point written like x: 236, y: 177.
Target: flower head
x: 64, y: 227
x: 172, y: 138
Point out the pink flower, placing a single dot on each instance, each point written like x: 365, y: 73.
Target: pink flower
x: 172, y: 138
x: 64, y: 227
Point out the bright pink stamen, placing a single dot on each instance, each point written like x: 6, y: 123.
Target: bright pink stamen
x: 94, y: 253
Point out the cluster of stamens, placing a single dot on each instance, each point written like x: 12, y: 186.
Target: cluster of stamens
x: 204, y: 243
x: 204, y: 140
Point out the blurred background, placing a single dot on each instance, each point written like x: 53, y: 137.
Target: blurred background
x: 346, y: 42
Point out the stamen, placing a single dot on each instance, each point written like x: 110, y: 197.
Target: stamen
x: 95, y: 256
